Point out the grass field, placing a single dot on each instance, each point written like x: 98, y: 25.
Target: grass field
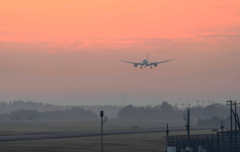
x: 148, y: 142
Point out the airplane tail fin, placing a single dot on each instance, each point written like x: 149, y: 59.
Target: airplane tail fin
x: 147, y: 56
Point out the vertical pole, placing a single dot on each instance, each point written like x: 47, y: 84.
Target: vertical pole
x: 230, y: 102
x: 231, y: 111
x: 197, y: 141
x: 188, y: 123
x: 167, y: 131
x: 182, y: 142
x: 188, y: 130
x: 218, y: 142
x: 231, y: 125
x: 235, y: 109
x: 231, y: 115
x: 101, y: 115
x: 176, y: 140
x: 212, y: 143
x: 235, y: 131
x: 224, y: 142
x: 220, y: 139
x: 222, y: 127
x: 207, y: 142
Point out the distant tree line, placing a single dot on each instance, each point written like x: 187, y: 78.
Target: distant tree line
x: 29, y: 110
x: 30, y: 105
x: 74, y: 114
x: 162, y: 112
x: 166, y: 111
x: 110, y: 111
x: 210, y: 111
x: 8, y: 107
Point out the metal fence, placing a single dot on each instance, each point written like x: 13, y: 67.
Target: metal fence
x: 220, y: 142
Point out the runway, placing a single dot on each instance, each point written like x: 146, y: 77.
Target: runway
x: 38, y: 136
x: 58, y: 135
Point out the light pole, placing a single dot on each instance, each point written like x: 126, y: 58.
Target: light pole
x: 103, y: 120
x: 230, y: 102
x: 187, y: 119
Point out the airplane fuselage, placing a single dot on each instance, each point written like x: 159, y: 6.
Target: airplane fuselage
x: 145, y: 62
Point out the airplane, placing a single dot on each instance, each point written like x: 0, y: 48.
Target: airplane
x: 145, y: 63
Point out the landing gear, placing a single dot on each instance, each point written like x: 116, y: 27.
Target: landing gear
x: 141, y: 67
x: 150, y: 67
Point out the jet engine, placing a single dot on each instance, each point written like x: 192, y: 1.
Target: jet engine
x: 155, y: 64
x: 135, y: 65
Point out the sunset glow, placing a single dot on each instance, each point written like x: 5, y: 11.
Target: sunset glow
x: 70, y: 48
x: 74, y: 20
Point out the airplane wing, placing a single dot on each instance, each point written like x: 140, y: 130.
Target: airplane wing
x: 131, y: 62
x: 152, y: 63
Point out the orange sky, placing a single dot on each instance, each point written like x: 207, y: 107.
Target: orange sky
x: 65, y: 49
x: 73, y: 20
